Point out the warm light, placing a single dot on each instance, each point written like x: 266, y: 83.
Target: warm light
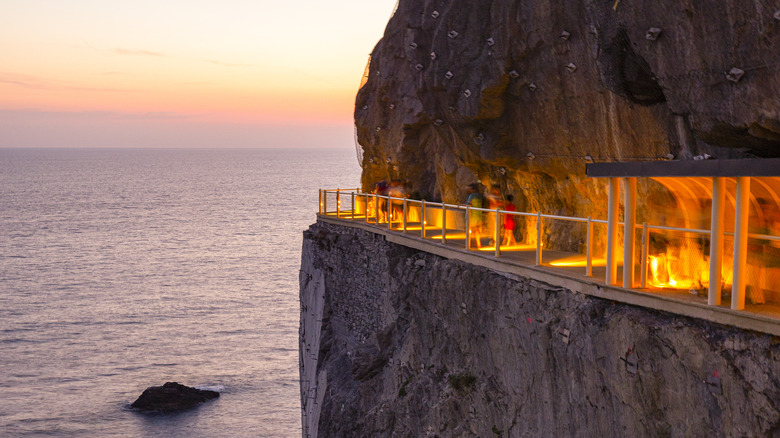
x: 577, y: 261
x: 451, y: 236
x: 518, y: 247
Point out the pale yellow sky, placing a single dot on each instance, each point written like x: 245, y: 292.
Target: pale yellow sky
x: 175, y: 73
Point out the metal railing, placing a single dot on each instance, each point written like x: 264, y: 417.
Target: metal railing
x: 407, y: 215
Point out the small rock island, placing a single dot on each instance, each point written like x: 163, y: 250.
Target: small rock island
x: 172, y: 396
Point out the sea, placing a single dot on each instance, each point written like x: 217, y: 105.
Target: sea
x: 122, y: 269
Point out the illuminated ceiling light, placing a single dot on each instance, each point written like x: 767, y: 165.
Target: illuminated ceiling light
x: 413, y: 45
x: 448, y: 75
x: 435, y: 14
x: 532, y: 86
x: 453, y: 34
x: 530, y: 155
x: 467, y: 93
x: 735, y: 74
x: 392, y: 106
x: 565, y: 35
x: 777, y: 15
x: 652, y: 34
x: 438, y: 122
x: 433, y: 56
x: 669, y: 156
x: 490, y: 41
x: 418, y: 67
x: 514, y: 74
x: 378, y: 129
x: 588, y: 158
x: 571, y: 67
x: 389, y: 160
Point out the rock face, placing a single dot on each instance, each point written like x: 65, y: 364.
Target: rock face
x: 524, y: 93
x: 396, y: 342
x: 172, y: 396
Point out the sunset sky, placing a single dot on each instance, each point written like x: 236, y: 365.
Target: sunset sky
x: 176, y: 73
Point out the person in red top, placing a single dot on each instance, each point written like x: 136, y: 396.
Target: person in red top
x: 509, y: 222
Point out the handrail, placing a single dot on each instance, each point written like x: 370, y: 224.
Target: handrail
x: 463, y: 207
x: 386, y: 210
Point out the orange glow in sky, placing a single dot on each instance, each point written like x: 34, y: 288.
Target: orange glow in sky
x: 76, y: 71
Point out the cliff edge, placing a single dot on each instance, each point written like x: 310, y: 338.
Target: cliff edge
x: 397, y: 342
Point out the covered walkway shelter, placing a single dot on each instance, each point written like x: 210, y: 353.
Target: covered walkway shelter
x: 733, y: 193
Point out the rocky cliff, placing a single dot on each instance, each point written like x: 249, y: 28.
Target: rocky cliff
x: 523, y: 93
x: 396, y: 342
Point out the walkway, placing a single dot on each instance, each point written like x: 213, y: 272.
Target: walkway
x: 522, y: 262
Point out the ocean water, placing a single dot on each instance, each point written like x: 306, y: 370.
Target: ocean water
x: 124, y: 269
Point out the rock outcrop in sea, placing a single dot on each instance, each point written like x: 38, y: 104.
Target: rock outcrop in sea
x: 172, y: 396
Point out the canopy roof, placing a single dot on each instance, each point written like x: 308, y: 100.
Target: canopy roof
x: 688, y: 168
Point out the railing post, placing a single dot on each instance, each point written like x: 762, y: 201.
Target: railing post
x: 716, y: 239
x: 497, y: 233
x: 443, y: 223
x: 388, y: 211
x: 405, y: 203
x: 643, y: 258
x: 740, y: 243
x: 324, y: 202
x: 589, y: 248
x: 538, y: 238
x: 468, y: 227
x: 613, y: 204
x: 353, y: 205
x: 320, y: 201
x: 629, y: 231
x: 422, y: 219
x: 338, y: 203
x: 365, y: 206
x: 376, y: 208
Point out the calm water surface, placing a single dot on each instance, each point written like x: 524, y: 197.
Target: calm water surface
x: 123, y: 269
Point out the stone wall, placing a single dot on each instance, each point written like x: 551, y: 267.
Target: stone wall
x: 397, y: 342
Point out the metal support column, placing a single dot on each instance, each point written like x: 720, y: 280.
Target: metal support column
x: 716, y: 239
x: 612, y: 229
x: 643, y: 257
x: 443, y: 223
x: 740, y: 243
x: 497, y: 234
x: 538, y: 238
x: 629, y: 219
x: 422, y: 219
x: 589, y: 249
x: 468, y: 227
x: 405, y: 211
x: 338, y: 203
